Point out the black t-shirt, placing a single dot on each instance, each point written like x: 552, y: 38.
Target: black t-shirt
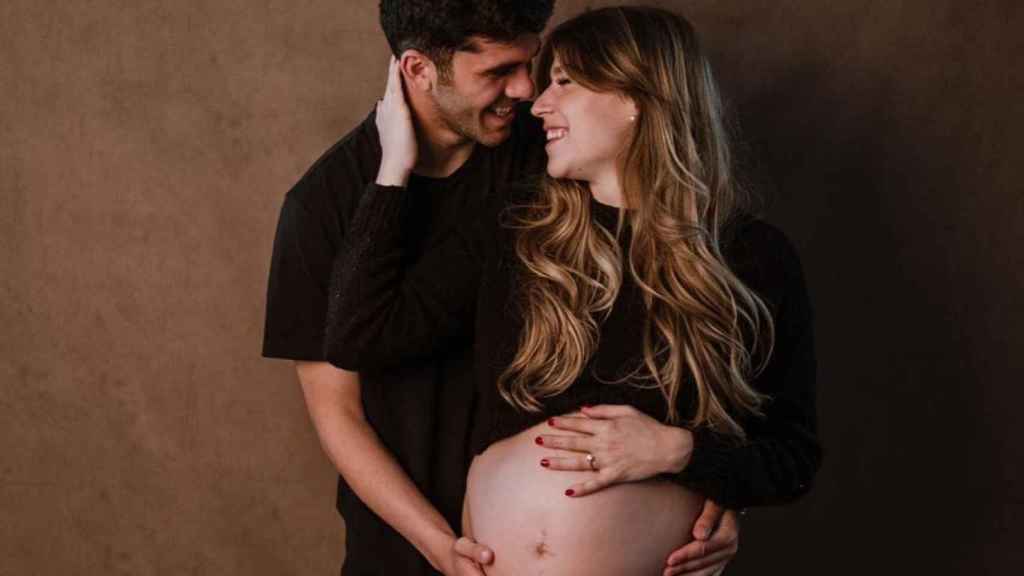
x: 382, y: 312
x: 422, y: 408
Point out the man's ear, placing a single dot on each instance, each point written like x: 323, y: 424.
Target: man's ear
x: 418, y: 69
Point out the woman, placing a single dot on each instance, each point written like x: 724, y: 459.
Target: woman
x: 625, y: 278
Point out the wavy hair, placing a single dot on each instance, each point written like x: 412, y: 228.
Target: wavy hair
x: 703, y: 327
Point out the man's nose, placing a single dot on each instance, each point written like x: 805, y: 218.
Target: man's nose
x: 520, y: 86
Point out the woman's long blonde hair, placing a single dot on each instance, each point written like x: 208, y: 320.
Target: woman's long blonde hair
x: 703, y: 327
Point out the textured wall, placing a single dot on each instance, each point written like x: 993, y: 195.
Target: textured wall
x: 144, y: 150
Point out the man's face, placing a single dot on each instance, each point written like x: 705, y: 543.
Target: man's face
x: 479, y: 100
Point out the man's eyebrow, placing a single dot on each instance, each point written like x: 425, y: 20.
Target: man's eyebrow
x: 469, y: 45
x: 507, y: 65
x: 503, y: 67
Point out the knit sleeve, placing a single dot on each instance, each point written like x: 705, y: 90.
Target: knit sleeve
x: 778, y: 460
x: 385, y: 310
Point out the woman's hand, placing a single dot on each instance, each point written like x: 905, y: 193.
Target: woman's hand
x: 397, y: 134
x: 627, y: 445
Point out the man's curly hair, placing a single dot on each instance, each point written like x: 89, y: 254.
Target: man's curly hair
x: 439, y: 28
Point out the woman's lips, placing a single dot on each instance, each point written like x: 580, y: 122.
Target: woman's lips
x: 555, y: 135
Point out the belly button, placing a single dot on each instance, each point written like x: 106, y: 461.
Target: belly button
x: 541, y: 548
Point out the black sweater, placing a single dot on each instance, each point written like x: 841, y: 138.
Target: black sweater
x: 383, y: 312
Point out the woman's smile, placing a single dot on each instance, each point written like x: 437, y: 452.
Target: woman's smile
x: 555, y: 135
x: 600, y: 127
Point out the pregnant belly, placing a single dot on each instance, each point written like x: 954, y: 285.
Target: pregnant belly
x: 520, y: 511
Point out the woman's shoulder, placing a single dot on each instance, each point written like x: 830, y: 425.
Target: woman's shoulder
x: 761, y: 255
x: 748, y: 235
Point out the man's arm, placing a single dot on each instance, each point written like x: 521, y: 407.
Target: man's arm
x: 334, y: 401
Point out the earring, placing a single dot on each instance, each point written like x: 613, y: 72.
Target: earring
x: 632, y: 117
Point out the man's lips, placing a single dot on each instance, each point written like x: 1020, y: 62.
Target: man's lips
x: 502, y: 111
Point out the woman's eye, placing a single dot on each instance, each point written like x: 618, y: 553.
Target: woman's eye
x: 562, y: 81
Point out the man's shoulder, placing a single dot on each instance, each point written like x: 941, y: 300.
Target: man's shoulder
x: 342, y: 170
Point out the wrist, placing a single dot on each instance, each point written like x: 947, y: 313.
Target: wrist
x: 389, y: 175
x: 437, y: 549
x: 679, y: 442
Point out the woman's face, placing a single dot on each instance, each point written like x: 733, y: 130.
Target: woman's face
x: 586, y: 131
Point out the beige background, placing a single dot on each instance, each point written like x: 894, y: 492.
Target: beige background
x: 145, y: 147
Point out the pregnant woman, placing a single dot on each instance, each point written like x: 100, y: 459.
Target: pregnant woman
x: 641, y: 344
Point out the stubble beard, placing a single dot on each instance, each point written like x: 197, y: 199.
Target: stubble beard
x: 462, y: 118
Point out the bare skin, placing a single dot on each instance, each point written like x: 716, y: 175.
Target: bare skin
x: 521, y: 511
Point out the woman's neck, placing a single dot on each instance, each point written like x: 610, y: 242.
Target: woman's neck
x: 607, y: 189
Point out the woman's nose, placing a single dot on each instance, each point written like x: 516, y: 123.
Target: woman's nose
x: 541, y: 105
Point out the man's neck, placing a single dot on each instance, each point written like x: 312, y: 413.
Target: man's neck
x: 442, y: 151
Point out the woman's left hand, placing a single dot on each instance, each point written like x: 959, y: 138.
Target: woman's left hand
x: 627, y: 445
x: 396, y: 131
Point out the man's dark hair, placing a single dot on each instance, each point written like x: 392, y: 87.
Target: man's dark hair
x: 439, y: 28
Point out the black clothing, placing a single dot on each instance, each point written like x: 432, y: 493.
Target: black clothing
x: 421, y: 409
x: 381, y: 312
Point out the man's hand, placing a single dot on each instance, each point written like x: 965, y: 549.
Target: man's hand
x: 717, y: 538
x: 466, y: 556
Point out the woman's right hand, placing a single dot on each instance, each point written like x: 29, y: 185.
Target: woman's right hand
x: 397, y: 134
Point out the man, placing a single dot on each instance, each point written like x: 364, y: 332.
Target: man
x: 400, y: 438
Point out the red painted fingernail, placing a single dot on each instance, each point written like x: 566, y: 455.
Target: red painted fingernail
x: 551, y: 421
x: 570, y: 492
x: 545, y: 463
x: 539, y: 440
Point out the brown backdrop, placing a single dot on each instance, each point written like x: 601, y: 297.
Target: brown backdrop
x: 144, y: 150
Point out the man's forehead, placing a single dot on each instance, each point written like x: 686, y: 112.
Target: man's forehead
x: 488, y: 52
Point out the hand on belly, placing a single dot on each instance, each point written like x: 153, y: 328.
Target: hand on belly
x: 520, y: 510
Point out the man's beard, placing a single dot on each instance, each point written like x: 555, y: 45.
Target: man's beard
x: 463, y: 119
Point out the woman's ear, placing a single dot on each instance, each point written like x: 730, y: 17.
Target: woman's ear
x: 634, y: 110
x: 419, y: 71
x: 630, y: 110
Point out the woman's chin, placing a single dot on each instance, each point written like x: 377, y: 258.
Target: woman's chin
x: 556, y: 171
